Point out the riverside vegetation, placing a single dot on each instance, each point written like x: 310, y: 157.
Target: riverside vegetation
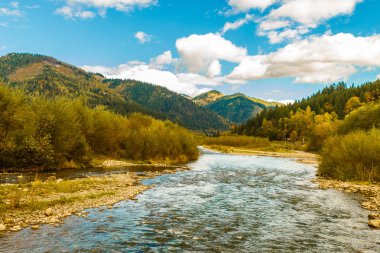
x: 36, y: 132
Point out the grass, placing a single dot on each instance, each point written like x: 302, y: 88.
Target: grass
x: 230, y: 143
x: 39, y: 195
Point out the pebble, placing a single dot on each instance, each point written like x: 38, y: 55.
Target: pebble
x: 374, y: 216
x: 35, y: 227
x: 374, y: 223
x: 49, y: 212
x: 16, y: 228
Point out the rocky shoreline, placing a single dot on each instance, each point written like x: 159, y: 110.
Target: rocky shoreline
x: 371, y: 192
x: 101, y: 191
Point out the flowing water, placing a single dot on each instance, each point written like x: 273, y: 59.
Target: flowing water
x: 226, y: 203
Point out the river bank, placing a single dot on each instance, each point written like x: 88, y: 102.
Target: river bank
x: 371, y: 193
x: 30, y: 204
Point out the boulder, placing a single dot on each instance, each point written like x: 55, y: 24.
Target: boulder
x: 2, y: 227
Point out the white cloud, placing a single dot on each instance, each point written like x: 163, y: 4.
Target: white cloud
x: 295, y: 18
x: 324, y: 59
x: 178, y: 83
x: 215, y: 69
x: 2, y: 48
x: 101, y: 7
x: 143, y: 37
x: 73, y: 13
x: 9, y: 12
x: 285, y: 101
x: 312, y: 12
x: 199, y: 52
x: 163, y: 59
x: 273, y: 24
x: 237, y: 24
x: 121, y: 5
x: 287, y: 34
x: 247, y: 5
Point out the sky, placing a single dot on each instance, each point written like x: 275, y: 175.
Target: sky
x: 279, y: 50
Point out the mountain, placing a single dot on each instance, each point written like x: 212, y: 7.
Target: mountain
x: 237, y: 108
x: 38, y: 74
x: 209, y: 97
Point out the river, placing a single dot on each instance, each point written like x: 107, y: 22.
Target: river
x: 225, y: 203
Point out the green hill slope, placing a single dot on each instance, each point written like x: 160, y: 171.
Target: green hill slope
x: 237, y: 108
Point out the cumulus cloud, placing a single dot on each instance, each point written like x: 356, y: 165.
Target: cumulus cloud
x: 181, y: 83
x: 143, y: 37
x: 162, y: 60
x: 154, y: 72
x: 324, y: 59
x: 200, y: 52
x: 312, y: 12
x: 85, y: 8
x: 247, y: 5
x: 295, y: 18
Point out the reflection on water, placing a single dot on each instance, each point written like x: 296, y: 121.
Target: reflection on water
x: 12, y: 178
x: 226, y: 203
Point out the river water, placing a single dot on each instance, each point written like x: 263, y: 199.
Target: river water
x: 226, y: 203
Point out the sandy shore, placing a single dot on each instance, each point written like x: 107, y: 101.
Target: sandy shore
x: 58, y: 199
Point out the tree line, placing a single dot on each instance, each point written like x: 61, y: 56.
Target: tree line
x: 36, y: 131
x: 338, y: 122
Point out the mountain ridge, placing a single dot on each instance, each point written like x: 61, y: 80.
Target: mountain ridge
x: 45, y: 75
x: 237, y: 108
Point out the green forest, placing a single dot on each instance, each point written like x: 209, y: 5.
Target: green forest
x: 38, y: 132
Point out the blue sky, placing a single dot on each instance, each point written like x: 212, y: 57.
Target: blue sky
x: 272, y: 49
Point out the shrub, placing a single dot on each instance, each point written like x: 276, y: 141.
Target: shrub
x: 352, y: 157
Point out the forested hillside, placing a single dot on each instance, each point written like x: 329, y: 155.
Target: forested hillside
x: 237, y: 108
x: 37, y: 74
x: 340, y: 122
x: 332, y: 103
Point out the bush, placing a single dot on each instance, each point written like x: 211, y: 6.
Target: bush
x: 38, y: 132
x: 352, y: 157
